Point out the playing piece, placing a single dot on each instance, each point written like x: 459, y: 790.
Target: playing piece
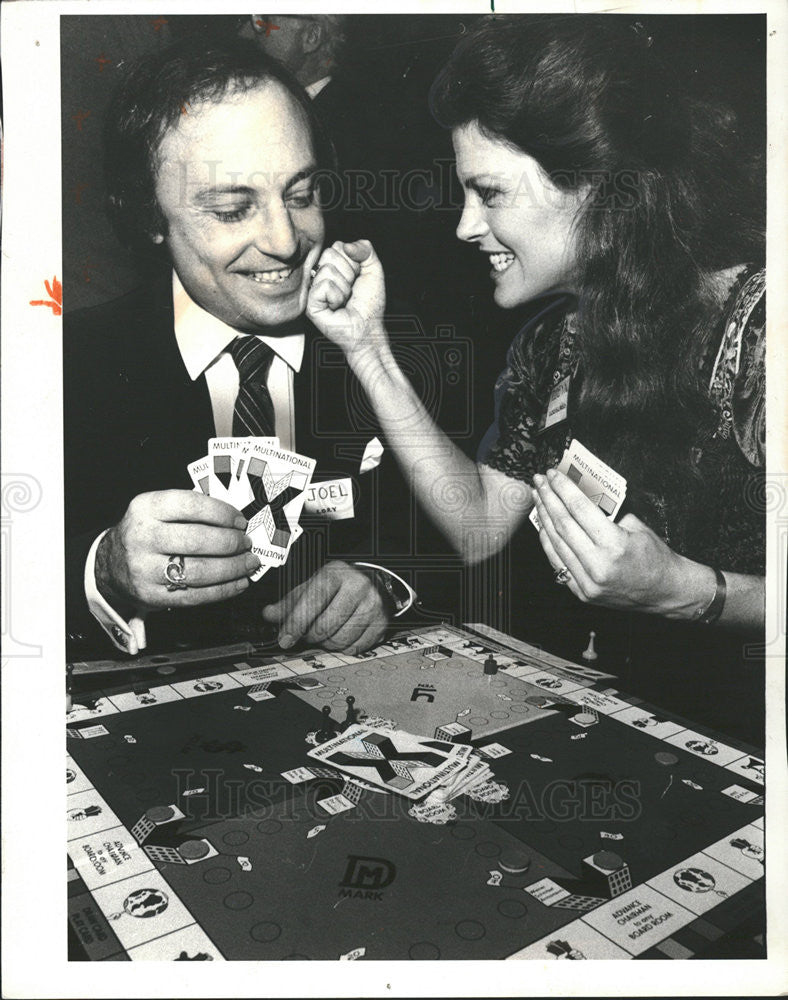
x: 515, y: 861
x: 518, y: 870
x: 589, y: 653
x: 490, y: 665
x: 352, y: 712
x: 327, y: 730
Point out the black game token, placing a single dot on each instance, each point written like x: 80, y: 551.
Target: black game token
x: 585, y: 719
x: 608, y: 860
x: 326, y: 733
x: 514, y: 862
x: 491, y: 665
x: 160, y: 814
x: 193, y: 850
x: 352, y: 713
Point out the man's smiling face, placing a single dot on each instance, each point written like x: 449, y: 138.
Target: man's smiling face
x: 244, y: 227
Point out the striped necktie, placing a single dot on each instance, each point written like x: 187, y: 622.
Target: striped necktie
x: 254, y: 409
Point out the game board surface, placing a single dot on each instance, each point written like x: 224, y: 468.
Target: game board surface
x: 193, y: 834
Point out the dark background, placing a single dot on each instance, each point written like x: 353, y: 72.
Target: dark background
x: 391, y: 62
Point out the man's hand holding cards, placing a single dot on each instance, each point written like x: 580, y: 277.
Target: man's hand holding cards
x: 266, y: 483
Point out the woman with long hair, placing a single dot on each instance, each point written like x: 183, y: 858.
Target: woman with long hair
x: 629, y: 213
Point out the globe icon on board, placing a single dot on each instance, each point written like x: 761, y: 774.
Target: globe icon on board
x: 694, y: 880
x: 145, y: 902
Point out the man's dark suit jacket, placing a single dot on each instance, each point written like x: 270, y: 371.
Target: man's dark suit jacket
x: 134, y: 420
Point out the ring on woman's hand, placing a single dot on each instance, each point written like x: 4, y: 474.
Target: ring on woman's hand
x: 562, y: 575
x: 175, y: 574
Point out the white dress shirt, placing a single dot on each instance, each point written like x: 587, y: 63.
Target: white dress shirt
x: 202, y: 341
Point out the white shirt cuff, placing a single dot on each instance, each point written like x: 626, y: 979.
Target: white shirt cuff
x: 127, y: 636
x: 402, y: 604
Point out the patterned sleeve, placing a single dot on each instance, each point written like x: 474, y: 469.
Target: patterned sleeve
x: 510, y: 443
x: 748, y: 400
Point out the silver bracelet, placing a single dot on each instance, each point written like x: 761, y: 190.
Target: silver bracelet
x: 401, y: 601
x: 713, y: 610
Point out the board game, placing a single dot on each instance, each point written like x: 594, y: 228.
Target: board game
x: 214, y: 811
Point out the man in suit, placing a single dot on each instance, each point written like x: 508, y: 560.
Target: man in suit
x: 316, y: 48
x: 310, y: 45
x: 211, y: 157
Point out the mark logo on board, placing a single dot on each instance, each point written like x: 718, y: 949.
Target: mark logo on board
x: 366, y: 877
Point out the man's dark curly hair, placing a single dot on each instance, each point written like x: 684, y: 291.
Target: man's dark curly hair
x: 150, y: 100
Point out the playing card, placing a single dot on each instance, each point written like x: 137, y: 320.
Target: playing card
x: 494, y: 750
x: 488, y: 791
x: 438, y: 813
x: 336, y: 804
x: 476, y: 773
x: 392, y: 759
x: 740, y: 794
x: 269, y: 471
x: 601, y: 484
x: 272, y: 557
x: 220, y: 470
x: 269, y: 492
x: 238, y: 448
x: 266, y: 483
x: 199, y: 475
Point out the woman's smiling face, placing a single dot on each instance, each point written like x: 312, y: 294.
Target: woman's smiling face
x: 517, y: 216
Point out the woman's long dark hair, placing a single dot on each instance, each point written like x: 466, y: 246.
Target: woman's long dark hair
x: 673, y: 199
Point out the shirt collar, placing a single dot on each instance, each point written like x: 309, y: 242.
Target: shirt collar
x: 201, y: 337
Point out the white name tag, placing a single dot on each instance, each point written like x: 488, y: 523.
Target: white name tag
x: 558, y: 403
x: 332, y: 499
